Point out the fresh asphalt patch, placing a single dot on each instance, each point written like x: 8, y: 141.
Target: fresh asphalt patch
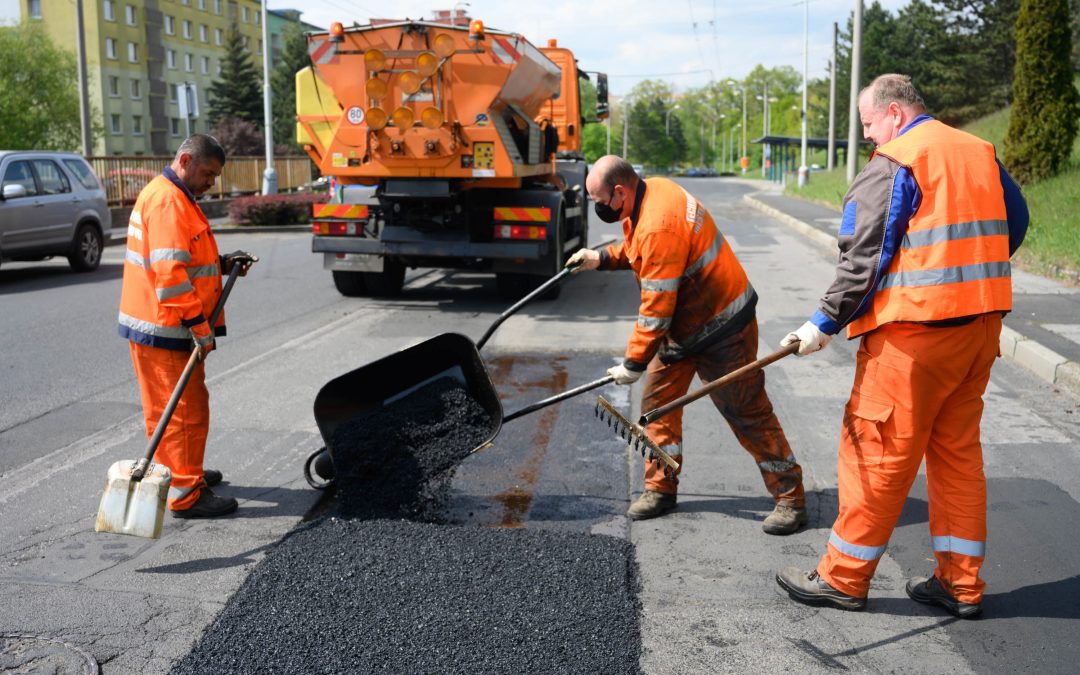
x: 381, y: 584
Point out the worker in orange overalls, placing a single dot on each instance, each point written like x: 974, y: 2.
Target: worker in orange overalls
x: 697, y: 316
x: 172, y: 282
x: 927, y: 231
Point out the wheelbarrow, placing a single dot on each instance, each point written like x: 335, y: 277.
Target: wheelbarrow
x: 365, y: 390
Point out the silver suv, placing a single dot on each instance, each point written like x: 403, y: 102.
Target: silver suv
x: 51, y: 203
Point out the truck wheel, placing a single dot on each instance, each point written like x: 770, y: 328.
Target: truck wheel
x: 85, y: 254
x: 388, y: 283
x: 350, y: 284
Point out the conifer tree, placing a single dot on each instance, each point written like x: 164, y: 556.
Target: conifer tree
x: 294, y: 57
x: 237, y: 91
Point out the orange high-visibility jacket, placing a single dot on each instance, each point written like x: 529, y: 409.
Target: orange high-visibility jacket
x: 172, y: 273
x: 693, y: 289
x: 954, y: 258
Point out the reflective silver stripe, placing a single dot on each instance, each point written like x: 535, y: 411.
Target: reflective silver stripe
x: 943, y: 233
x: 854, y: 550
x: 778, y: 465
x: 204, y: 271
x: 136, y: 218
x: 946, y: 275
x: 136, y: 259
x: 654, y: 323
x: 159, y: 254
x: 178, y: 332
x: 134, y: 232
x: 725, y: 315
x: 179, y: 493
x: 661, y: 285
x: 976, y: 549
x: 706, y: 257
x: 173, y: 291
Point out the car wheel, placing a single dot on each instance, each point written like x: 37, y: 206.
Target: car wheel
x: 85, y: 255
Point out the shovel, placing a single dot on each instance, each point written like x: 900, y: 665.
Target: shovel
x: 135, y: 490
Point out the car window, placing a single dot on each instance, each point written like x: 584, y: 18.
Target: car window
x: 83, y: 173
x: 53, y: 180
x: 19, y: 173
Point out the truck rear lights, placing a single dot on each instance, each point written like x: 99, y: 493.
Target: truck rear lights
x: 520, y: 232
x: 374, y: 60
x: 376, y: 89
x: 403, y: 117
x: 427, y: 63
x: 377, y: 118
x: 444, y: 46
x: 432, y: 118
x: 339, y: 229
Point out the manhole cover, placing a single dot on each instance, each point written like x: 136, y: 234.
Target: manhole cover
x: 40, y: 654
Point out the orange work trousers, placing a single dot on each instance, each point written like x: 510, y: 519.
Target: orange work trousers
x: 743, y: 404
x: 184, y: 442
x: 918, y: 392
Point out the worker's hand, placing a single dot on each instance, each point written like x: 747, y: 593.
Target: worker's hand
x: 204, y: 345
x: 242, y: 258
x: 809, y: 337
x: 585, y: 259
x: 623, y: 375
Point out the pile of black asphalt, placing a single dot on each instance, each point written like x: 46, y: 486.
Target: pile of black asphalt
x: 378, y: 584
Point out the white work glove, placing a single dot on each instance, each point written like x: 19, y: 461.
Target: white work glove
x: 623, y: 375
x: 809, y: 337
x: 584, y: 259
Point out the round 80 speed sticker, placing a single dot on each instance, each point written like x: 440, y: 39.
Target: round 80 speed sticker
x: 355, y: 114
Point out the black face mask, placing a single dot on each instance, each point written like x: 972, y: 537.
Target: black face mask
x: 605, y: 213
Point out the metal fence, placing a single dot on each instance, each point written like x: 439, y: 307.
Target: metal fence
x: 124, y: 177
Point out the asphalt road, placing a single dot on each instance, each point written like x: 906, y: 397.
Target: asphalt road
x: 69, y: 407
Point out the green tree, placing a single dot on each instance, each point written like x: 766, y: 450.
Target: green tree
x: 294, y: 57
x: 1042, y: 122
x: 237, y: 91
x: 39, y: 107
x: 594, y: 141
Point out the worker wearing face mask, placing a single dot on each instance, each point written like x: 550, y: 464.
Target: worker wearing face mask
x: 697, y: 316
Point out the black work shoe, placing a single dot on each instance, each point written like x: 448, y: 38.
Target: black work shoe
x: 929, y: 591
x: 208, y: 505
x: 810, y: 589
x: 212, y: 477
x: 651, y: 504
x: 784, y: 519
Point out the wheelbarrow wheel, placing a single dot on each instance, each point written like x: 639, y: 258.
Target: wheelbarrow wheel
x: 323, y: 464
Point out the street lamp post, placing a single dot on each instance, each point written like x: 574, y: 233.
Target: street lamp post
x: 803, y: 169
x: 732, y: 83
x: 731, y: 145
x: 667, y: 119
x: 270, y: 181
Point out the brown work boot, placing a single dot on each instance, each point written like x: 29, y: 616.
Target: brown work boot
x: 208, y: 505
x: 810, y: 589
x: 784, y: 519
x: 650, y: 505
x: 931, y: 592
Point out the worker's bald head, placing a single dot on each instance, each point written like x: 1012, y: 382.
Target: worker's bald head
x: 609, y: 171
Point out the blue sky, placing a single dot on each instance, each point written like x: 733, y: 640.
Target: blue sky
x: 631, y: 40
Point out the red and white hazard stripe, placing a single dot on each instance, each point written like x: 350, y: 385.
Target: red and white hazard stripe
x: 505, y: 50
x: 322, y: 52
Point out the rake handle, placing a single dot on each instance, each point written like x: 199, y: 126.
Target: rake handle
x: 657, y: 413
x: 551, y: 400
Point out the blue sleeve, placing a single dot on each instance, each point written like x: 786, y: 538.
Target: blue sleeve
x: 1016, y: 210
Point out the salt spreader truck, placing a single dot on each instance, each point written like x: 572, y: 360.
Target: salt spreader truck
x: 446, y: 146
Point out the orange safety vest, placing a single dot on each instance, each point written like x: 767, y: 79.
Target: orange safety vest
x: 954, y: 259
x: 692, y: 285
x: 172, y: 273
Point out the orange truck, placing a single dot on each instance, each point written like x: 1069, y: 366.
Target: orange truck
x: 449, y: 146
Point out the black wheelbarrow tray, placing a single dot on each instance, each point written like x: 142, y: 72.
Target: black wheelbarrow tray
x: 367, y: 389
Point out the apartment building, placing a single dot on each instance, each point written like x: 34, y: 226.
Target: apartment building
x: 139, y: 51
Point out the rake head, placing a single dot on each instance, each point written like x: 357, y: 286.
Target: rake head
x: 635, y: 436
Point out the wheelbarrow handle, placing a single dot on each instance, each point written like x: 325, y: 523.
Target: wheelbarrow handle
x: 657, y: 413
x: 178, y: 390
x: 524, y: 301
x: 558, y: 397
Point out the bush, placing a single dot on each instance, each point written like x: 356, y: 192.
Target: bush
x: 274, y: 209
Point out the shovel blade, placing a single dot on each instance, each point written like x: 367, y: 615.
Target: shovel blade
x: 133, y: 507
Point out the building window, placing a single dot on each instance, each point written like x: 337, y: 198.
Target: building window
x: 258, y: 18
x: 136, y: 125
x: 204, y: 34
x: 202, y: 4
x: 114, y: 124
x: 133, y: 52
x: 206, y: 65
x: 136, y: 90
x: 170, y: 25
x: 185, y: 2
x: 189, y: 62
x: 110, y: 48
x: 108, y: 9
x: 219, y: 67
x: 172, y: 92
x: 170, y: 58
x: 217, y: 36
x: 187, y: 29
x: 244, y: 13
x: 114, y: 85
x: 35, y: 9
x: 174, y: 126
x: 259, y: 49
x: 129, y: 12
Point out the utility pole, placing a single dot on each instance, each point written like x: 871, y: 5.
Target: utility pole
x: 764, y: 127
x: 830, y: 162
x: 269, y: 186
x: 856, y: 75
x: 803, y: 169
x: 607, y: 125
x: 626, y: 135
x: 84, y: 86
